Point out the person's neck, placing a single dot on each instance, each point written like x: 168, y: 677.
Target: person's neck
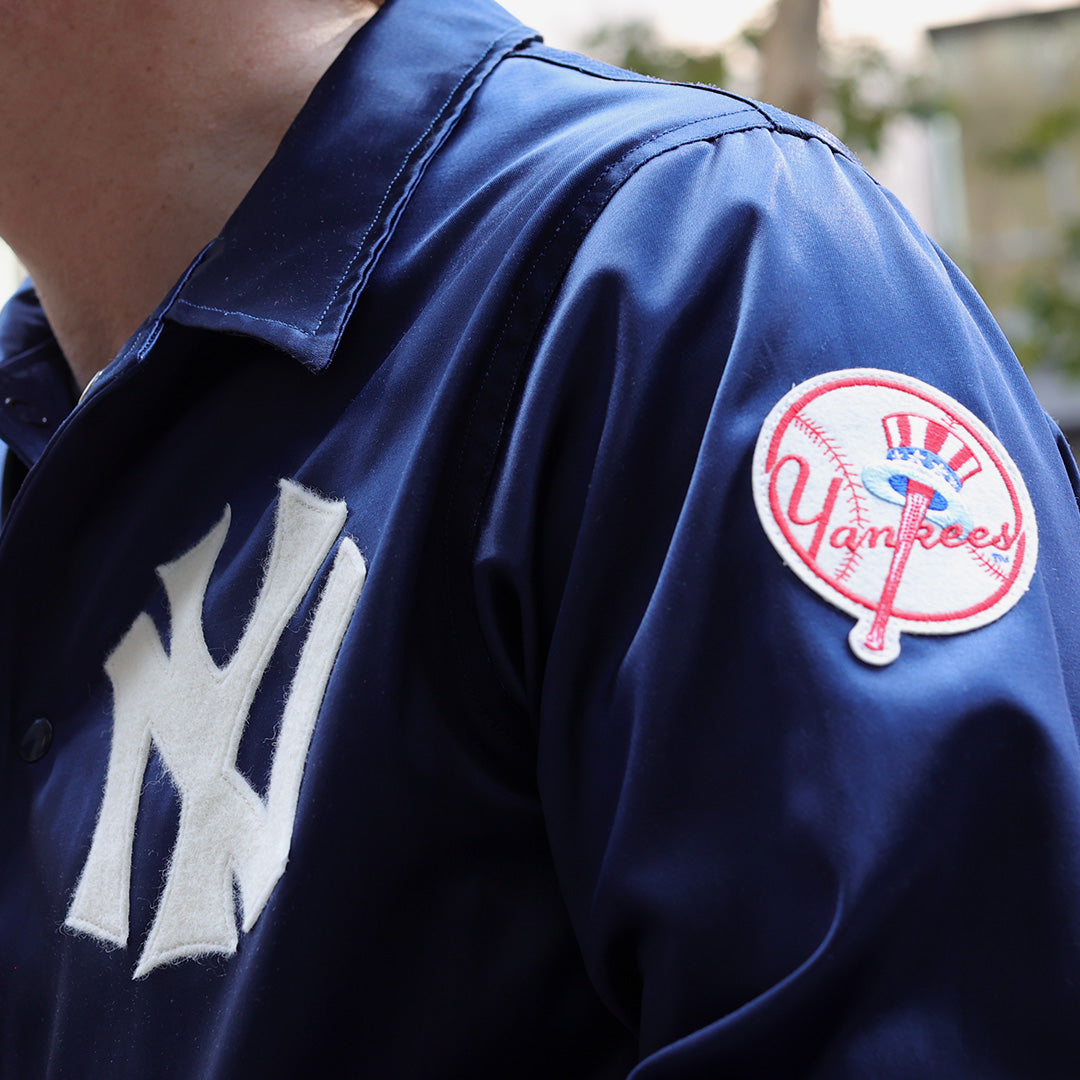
x: 108, y: 201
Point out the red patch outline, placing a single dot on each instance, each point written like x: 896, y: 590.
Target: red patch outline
x: 766, y: 470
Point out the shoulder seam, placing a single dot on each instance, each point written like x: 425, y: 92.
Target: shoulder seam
x: 583, y: 64
x: 776, y: 119
x: 545, y: 287
x: 525, y: 316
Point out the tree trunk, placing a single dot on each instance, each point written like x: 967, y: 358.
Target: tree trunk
x: 790, y: 57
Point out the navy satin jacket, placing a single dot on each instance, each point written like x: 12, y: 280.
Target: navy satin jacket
x: 571, y: 584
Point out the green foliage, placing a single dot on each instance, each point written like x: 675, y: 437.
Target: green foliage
x: 866, y: 91
x: 1050, y: 303
x: 638, y: 46
x: 1048, y: 300
x: 863, y: 89
x: 1047, y: 131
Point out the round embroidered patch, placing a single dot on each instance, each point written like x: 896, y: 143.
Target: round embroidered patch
x: 896, y: 504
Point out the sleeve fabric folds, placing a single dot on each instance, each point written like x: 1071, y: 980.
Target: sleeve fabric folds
x: 414, y: 667
x: 779, y: 861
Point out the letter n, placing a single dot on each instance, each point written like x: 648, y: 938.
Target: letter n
x: 194, y: 713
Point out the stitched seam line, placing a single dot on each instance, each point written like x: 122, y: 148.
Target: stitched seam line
x: 832, y: 451
x: 552, y: 290
x: 825, y: 137
x: 254, y: 318
x: 409, y: 160
x: 557, y: 61
x: 551, y: 240
x: 986, y: 564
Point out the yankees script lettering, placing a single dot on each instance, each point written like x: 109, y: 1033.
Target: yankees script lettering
x: 896, y: 504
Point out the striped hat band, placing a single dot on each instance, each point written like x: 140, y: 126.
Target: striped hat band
x: 907, y: 430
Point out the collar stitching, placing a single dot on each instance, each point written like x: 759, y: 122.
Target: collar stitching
x: 257, y: 318
x: 409, y: 160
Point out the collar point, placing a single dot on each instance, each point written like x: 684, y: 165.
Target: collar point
x: 313, y: 348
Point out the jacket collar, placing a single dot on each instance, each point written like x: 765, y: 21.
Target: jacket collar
x: 296, y: 255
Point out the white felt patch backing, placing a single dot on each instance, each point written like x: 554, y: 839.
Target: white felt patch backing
x: 896, y: 504
x: 194, y: 714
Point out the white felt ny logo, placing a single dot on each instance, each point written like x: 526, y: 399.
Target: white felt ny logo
x: 194, y: 713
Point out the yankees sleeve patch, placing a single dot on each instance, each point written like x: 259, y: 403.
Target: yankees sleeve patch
x: 896, y: 504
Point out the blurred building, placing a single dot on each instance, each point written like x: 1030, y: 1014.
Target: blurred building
x: 1013, y: 83
x: 1007, y: 165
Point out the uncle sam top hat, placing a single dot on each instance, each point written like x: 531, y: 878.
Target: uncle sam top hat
x: 930, y: 453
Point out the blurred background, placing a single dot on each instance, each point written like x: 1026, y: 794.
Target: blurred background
x: 968, y: 109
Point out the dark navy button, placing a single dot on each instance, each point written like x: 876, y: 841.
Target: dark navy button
x: 36, y: 740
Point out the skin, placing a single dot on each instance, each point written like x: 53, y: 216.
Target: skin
x: 129, y: 132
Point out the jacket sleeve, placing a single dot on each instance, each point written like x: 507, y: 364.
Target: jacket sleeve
x: 780, y: 860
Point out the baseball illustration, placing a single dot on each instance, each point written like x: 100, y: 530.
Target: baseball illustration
x: 896, y: 504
